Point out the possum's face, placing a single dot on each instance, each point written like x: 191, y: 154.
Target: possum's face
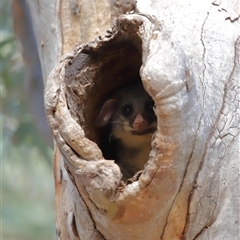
x: 134, y: 113
x: 129, y: 110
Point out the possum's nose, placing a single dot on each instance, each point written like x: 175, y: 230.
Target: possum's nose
x: 139, y: 124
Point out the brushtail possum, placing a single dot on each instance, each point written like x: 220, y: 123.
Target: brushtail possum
x: 129, y: 117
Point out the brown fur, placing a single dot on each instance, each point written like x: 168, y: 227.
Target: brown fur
x: 129, y: 116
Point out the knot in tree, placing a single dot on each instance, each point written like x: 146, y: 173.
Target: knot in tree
x: 99, y: 195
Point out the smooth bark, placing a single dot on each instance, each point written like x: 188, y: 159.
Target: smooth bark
x: 188, y: 57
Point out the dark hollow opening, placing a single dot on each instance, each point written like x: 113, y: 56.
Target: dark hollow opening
x: 111, y: 66
x: 97, y: 71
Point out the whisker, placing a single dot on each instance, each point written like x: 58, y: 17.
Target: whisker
x: 109, y: 139
x: 118, y: 123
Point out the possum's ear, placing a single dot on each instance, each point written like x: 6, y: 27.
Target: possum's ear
x: 106, y: 113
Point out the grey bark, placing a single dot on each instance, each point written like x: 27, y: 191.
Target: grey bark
x: 188, y: 56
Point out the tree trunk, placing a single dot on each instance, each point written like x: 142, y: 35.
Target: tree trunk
x: 188, y: 56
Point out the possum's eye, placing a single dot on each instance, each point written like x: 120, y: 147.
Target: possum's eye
x: 149, y: 106
x: 127, y: 110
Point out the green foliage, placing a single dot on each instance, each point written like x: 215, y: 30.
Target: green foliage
x: 27, y: 201
x: 27, y: 187
x: 18, y: 122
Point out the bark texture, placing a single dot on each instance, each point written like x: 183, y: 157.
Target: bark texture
x: 188, y: 57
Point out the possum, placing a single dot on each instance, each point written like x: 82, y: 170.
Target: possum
x: 131, y: 122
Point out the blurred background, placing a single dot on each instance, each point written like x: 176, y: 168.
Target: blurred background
x: 27, y: 182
